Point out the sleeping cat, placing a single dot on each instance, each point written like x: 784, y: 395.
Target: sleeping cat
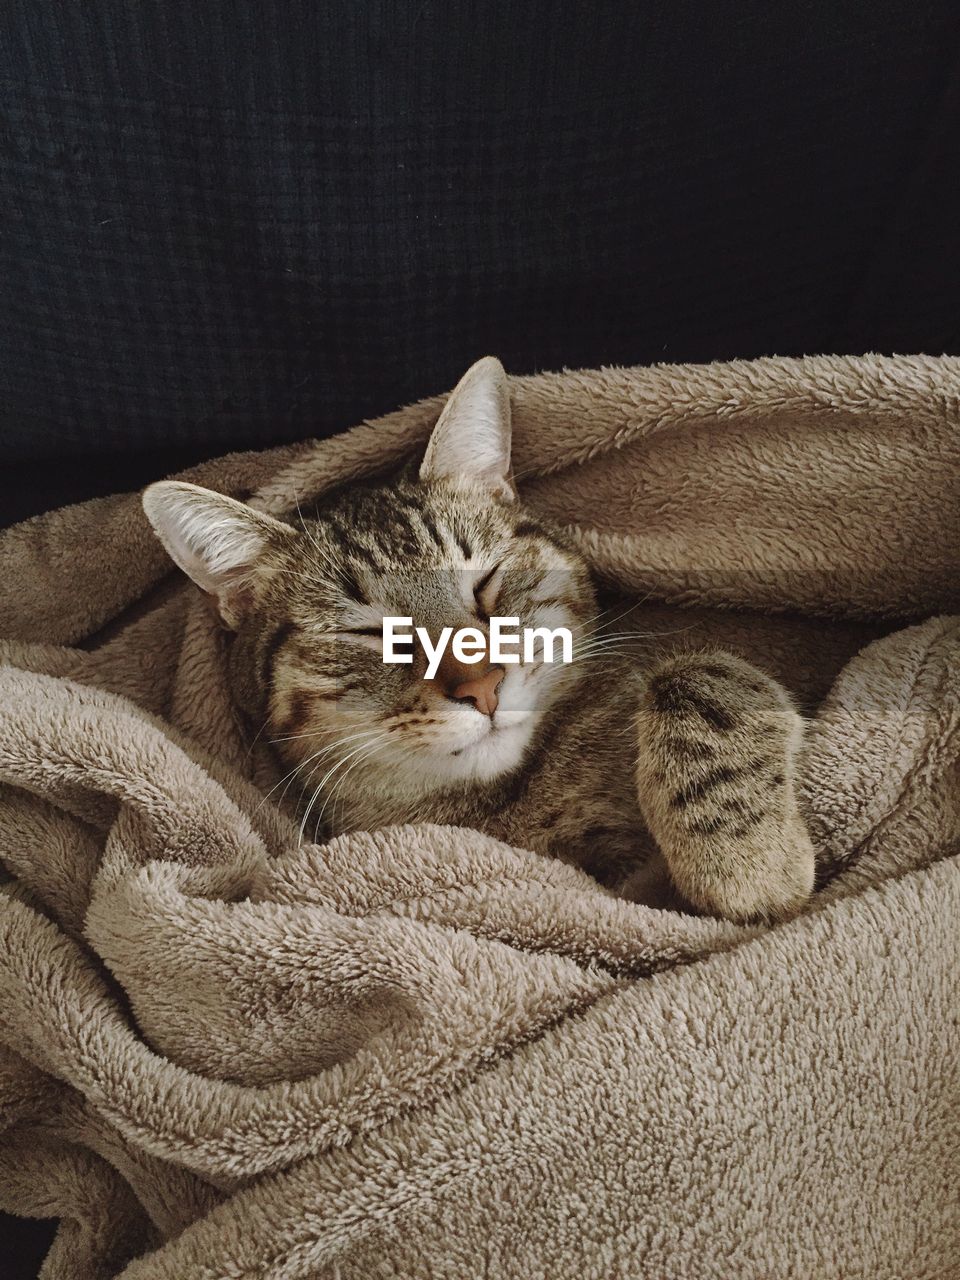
x: 674, y: 783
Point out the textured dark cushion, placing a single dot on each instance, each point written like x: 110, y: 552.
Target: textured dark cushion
x: 226, y: 224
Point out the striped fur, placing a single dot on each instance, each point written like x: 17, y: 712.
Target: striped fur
x: 672, y: 784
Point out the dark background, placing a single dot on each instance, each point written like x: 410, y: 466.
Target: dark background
x: 233, y: 224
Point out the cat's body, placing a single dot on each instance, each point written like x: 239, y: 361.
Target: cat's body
x: 570, y: 797
x: 677, y: 779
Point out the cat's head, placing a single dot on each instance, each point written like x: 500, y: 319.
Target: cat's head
x: 449, y: 545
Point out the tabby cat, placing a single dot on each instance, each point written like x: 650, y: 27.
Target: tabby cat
x: 671, y: 783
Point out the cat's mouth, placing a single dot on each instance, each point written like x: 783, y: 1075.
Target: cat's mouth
x: 501, y: 726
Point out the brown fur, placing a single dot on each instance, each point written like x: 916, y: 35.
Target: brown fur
x: 664, y: 779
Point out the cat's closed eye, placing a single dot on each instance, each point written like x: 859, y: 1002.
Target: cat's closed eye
x: 370, y: 637
x: 485, y: 591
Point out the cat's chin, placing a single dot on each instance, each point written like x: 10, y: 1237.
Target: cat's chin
x: 495, y: 752
x: 501, y: 749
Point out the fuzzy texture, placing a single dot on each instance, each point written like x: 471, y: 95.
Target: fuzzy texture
x: 582, y: 759
x: 423, y: 1051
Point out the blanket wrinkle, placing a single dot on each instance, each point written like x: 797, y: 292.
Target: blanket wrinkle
x: 421, y: 1052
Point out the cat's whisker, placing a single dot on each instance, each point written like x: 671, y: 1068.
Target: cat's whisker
x: 615, y: 638
x: 319, y: 788
x: 366, y: 736
x: 595, y: 642
x: 311, y: 539
x: 311, y: 733
x: 610, y: 621
x: 296, y: 769
x: 614, y: 646
x: 338, y: 787
x: 266, y: 796
x: 603, y: 646
x: 323, y: 552
x: 256, y: 739
x: 318, y: 756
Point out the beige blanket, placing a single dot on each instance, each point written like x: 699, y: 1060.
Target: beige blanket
x: 420, y: 1053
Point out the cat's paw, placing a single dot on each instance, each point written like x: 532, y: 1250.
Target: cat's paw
x: 717, y: 746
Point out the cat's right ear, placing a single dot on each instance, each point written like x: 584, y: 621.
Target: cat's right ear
x: 218, y: 542
x: 470, y: 444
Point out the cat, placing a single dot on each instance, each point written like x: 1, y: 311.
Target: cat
x: 673, y: 784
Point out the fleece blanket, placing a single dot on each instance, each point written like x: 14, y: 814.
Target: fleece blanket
x: 417, y: 1052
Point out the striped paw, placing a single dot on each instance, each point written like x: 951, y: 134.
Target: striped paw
x: 717, y: 747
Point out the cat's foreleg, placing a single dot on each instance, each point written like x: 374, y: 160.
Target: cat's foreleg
x: 718, y: 743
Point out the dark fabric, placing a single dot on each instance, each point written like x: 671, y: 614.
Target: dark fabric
x: 28, y: 488
x: 23, y: 1246
x: 230, y: 224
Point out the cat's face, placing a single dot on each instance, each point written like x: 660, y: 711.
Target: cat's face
x: 449, y: 548
x: 447, y: 558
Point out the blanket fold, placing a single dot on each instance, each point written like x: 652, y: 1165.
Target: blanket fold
x: 419, y: 1051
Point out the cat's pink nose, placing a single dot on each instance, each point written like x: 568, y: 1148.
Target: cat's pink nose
x: 481, y: 690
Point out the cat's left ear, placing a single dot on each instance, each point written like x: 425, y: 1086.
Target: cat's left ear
x: 226, y: 547
x: 470, y: 444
